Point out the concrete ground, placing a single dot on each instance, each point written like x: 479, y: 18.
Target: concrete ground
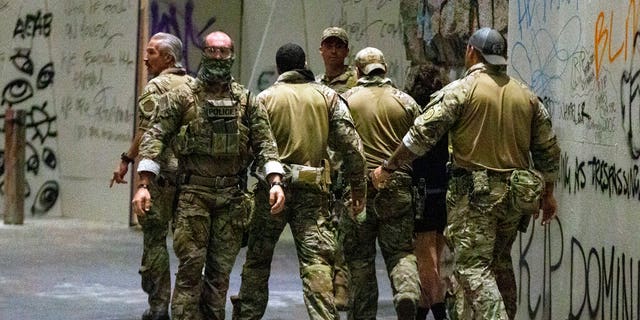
x: 60, y: 268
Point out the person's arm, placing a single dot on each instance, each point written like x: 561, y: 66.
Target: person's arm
x: 147, y: 107
x: 142, y: 198
x: 400, y: 156
x: 545, y: 153
x: 345, y: 140
x: 276, y: 192
x: 266, y: 149
x: 549, y: 204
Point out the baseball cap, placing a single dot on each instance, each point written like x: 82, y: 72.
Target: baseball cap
x: 369, y: 59
x: 335, y: 32
x: 491, y: 44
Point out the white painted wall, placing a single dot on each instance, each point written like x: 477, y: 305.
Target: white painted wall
x: 70, y: 65
x: 269, y: 24
x: 581, y: 58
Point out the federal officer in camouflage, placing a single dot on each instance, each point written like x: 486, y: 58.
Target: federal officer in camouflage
x: 163, y: 59
x: 334, y: 48
x: 382, y: 114
x: 220, y: 129
x: 496, y: 125
x: 306, y: 118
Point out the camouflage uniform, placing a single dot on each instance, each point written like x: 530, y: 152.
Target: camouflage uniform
x: 303, y: 131
x: 492, y: 129
x: 218, y: 135
x: 154, y: 269
x: 340, y: 84
x: 382, y: 115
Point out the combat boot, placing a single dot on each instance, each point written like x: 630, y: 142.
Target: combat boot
x: 155, y: 315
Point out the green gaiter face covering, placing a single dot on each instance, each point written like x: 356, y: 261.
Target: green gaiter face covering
x: 215, y: 70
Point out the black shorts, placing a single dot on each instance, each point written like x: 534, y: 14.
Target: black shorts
x: 434, y: 217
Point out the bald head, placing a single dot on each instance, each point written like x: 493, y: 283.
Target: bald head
x: 218, y: 39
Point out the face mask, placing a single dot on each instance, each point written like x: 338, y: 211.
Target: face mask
x: 215, y: 70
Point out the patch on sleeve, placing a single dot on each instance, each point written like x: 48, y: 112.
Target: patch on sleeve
x: 148, y: 105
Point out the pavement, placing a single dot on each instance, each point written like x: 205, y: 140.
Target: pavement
x: 63, y: 268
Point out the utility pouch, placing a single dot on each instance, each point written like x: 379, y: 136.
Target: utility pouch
x: 480, y: 180
x: 306, y: 176
x: 526, y: 188
x: 222, y: 114
x: 419, y: 194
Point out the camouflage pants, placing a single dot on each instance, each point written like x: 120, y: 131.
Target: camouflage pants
x: 208, y: 232
x: 341, y: 271
x: 308, y: 216
x: 481, y: 231
x: 389, y: 218
x: 154, y: 268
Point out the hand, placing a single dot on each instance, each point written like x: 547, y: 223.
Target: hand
x: 379, y: 178
x: 276, y: 199
x: 119, y: 173
x: 549, y: 208
x: 141, y: 202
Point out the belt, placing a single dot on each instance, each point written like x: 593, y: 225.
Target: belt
x: 214, y: 182
x: 461, y: 172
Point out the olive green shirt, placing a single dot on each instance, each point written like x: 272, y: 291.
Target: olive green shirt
x: 307, y: 117
x: 494, y: 122
x: 383, y: 114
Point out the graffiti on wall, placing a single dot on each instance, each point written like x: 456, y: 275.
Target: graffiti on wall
x: 581, y: 59
x: 26, y: 91
x: 180, y: 21
x: 89, y: 108
x: 603, y: 281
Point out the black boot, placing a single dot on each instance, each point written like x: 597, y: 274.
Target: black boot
x: 422, y: 313
x: 155, y: 315
x: 439, y: 311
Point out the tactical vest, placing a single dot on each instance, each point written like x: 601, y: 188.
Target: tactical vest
x: 216, y: 127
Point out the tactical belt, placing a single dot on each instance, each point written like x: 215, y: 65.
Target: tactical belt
x: 461, y: 172
x: 214, y: 182
x: 470, y: 181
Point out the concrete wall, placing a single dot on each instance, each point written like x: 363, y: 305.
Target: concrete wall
x: 582, y: 59
x: 268, y: 24
x: 71, y: 66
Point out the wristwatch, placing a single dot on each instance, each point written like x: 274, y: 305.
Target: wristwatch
x: 278, y: 183
x: 124, y: 157
x: 385, y: 167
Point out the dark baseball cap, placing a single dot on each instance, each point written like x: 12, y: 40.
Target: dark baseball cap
x: 335, y: 32
x: 491, y: 44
